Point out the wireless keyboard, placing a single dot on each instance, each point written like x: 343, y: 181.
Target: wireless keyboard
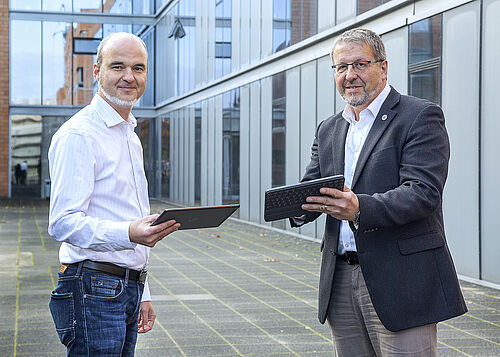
x: 286, y: 201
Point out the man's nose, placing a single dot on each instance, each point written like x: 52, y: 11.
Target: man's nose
x: 350, y: 73
x: 128, y: 75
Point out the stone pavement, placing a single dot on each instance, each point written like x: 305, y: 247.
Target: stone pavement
x: 239, y: 290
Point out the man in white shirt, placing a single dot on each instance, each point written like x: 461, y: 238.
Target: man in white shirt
x: 387, y: 276
x: 100, y: 212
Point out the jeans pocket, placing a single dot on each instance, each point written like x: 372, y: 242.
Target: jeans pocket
x: 104, y: 287
x: 62, y: 308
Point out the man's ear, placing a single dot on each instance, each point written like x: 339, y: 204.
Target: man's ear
x: 96, y: 72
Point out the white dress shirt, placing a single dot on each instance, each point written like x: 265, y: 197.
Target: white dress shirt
x: 98, y: 187
x: 355, y: 139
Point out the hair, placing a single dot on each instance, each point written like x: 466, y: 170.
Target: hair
x: 362, y: 36
x: 102, y: 45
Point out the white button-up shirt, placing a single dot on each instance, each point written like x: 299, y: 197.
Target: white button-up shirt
x: 98, y: 187
x: 355, y: 139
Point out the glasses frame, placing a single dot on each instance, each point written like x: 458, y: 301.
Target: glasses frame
x: 353, y: 64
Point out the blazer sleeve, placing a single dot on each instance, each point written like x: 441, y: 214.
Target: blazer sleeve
x: 423, y: 169
x: 313, y: 171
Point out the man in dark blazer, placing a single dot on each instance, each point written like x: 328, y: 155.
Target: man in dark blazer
x: 387, y: 276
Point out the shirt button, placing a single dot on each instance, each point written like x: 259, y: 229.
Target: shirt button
x: 346, y: 245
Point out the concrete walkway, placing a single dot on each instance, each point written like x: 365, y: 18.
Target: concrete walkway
x: 235, y: 291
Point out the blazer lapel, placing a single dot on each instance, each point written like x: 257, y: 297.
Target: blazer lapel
x: 382, y: 121
x: 339, y: 133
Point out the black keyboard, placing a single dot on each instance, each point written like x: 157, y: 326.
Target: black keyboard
x: 286, y: 201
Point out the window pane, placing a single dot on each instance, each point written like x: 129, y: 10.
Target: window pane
x: 25, y: 4
x: 25, y: 62
x: 279, y: 130
x: 120, y: 7
x: 87, y: 5
x: 147, y: 98
x: 57, y: 63
x: 293, y: 21
x: 81, y: 79
x: 62, y: 5
x: 425, y: 39
x: 365, y: 5
x: 231, y: 146
x: 426, y: 84
x: 222, y: 37
x: 145, y: 130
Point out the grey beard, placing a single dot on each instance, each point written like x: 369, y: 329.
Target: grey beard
x: 353, y: 102
x: 117, y: 101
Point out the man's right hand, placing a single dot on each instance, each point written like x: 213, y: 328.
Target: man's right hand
x: 142, y: 232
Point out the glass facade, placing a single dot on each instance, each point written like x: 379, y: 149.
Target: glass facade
x: 225, y: 114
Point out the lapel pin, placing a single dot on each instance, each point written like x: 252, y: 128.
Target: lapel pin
x: 384, y: 117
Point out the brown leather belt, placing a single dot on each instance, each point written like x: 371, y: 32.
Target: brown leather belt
x: 350, y: 257
x: 116, y: 270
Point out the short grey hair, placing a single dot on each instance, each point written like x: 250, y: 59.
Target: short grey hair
x: 362, y: 36
x: 105, y: 40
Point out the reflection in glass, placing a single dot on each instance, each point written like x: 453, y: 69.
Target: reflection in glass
x: 26, y: 134
x: 89, y: 5
x: 279, y: 130
x: 165, y: 157
x: 186, y: 11
x: 293, y: 21
x: 55, y: 58
x: 61, y: 5
x: 145, y: 130
x: 222, y: 37
x: 231, y: 146
x: 25, y: 5
x: 426, y: 84
x: 79, y: 72
x: 425, y: 39
x: 25, y: 62
x: 424, y: 60
x: 365, y: 5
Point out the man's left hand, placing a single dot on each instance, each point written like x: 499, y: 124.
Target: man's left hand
x: 342, y: 205
x: 146, y: 317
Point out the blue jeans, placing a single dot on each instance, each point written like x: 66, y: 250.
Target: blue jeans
x: 96, y: 313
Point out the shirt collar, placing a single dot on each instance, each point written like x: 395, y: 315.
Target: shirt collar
x: 374, y: 107
x: 110, y: 115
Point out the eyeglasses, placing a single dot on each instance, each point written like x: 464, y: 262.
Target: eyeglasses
x: 358, y: 66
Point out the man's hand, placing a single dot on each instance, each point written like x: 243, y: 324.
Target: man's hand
x: 142, y: 232
x: 342, y: 205
x: 146, y: 317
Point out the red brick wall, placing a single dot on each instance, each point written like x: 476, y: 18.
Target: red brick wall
x: 4, y: 98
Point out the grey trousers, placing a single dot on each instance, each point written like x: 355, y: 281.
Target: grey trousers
x: 356, y: 328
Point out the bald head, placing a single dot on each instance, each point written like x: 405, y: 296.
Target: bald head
x: 116, y: 36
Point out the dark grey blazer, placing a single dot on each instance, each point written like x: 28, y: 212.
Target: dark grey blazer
x: 399, y: 180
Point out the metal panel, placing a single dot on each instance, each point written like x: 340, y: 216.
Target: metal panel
x: 396, y: 48
x: 255, y: 31
x: 244, y: 153
x: 204, y: 154
x: 211, y: 151
x: 460, y: 103
x: 266, y: 129
x: 490, y: 145
x: 254, y: 163
x: 244, y: 32
x: 292, y: 155
x: 267, y: 28
x: 307, y: 124
x: 235, y: 35
x: 326, y: 14
x: 218, y: 151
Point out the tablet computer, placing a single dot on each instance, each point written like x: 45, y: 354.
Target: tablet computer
x: 197, y: 217
x: 286, y: 201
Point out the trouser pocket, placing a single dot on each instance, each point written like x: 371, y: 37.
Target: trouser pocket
x: 62, y: 308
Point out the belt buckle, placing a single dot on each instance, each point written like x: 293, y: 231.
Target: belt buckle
x: 142, y: 276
